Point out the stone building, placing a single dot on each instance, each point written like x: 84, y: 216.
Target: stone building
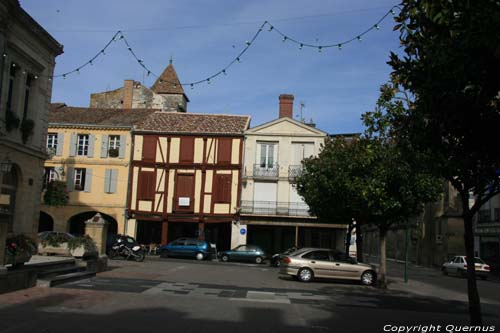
x: 273, y: 215
x: 487, y: 233
x: 90, y: 151
x: 166, y: 94
x: 27, y: 60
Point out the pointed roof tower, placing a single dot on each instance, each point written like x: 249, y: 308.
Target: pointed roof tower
x: 168, y: 83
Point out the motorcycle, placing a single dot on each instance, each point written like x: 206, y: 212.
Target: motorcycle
x: 127, y: 247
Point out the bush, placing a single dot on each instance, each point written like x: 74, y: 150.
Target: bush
x: 56, y: 194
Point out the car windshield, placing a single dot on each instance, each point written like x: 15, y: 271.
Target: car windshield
x: 478, y: 261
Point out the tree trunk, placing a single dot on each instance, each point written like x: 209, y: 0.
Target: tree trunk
x: 474, y: 301
x: 382, y: 275
x: 359, y: 243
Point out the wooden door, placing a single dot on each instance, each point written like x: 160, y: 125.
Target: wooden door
x: 184, y: 198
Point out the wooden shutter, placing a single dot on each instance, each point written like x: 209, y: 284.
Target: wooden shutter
x: 222, y: 188
x: 60, y: 143
x: 88, y: 180
x: 224, y: 150
x: 146, y: 186
x: 104, y: 145
x: 123, y: 145
x: 72, y: 145
x: 149, y: 148
x: 184, y: 189
x: 91, y: 145
x: 110, y: 180
x: 70, y: 179
x: 187, y: 149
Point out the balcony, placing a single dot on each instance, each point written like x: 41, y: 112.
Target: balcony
x: 266, y: 171
x: 274, y: 208
x: 294, y: 171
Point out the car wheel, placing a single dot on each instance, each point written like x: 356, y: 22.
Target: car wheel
x: 225, y: 258
x: 368, y: 278
x: 258, y: 260
x: 199, y: 256
x: 305, y: 275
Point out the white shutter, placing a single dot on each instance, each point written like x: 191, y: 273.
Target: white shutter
x: 123, y: 145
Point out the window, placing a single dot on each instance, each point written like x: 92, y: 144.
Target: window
x: 114, y: 146
x: 29, y: 80
x: 317, y: 255
x: 187, y: 150
x: 224, y: 151
x: 149, y: 148
x: 222, y: 188
x: 82, y: 147
x: 50, y: 176
x: 12, y: 80
x: 110, y: 180
x: 79, y: 179
x: 267, y: 155
x: 52, y: 143
x: 146, y: 186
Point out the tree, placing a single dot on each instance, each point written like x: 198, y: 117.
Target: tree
x: 368, y: 179
x: 450, y: 68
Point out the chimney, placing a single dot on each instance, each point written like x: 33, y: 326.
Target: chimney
x: 286, y: 106
x: 128, y: 93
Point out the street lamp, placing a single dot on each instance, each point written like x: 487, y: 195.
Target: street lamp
x: 6, y: 165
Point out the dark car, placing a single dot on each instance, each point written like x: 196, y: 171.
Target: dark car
x: 277, y: 257
x: 186, y: 247
x: 244, y: 253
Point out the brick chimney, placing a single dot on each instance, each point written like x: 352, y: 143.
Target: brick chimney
x: 286, y: 106
x: 128, y: 93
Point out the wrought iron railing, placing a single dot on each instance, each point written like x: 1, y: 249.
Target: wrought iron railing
x: 266, y: 171
x: 274, y: 208
x: 294, y: 171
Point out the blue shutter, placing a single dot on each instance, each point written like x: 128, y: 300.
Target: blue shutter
x: 88, y: 180
x: 113, y: 180
x: 104, y: 146
x: 70, y: 179
x: 72, y: 143
x: 123, y: 145
x: 91, y: 145
x: 60, y: 144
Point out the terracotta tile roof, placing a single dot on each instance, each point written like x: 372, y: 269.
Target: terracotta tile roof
x: 168, y: 82
x: 196, y: 123
x: 60, y: 113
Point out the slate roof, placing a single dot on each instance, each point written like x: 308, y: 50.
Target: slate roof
x: 194, y: 123
x: 61, y: 114
x: 168, y: 82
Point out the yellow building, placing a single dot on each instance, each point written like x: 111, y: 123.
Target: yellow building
x: 90, y: 151
x: 186, y: 177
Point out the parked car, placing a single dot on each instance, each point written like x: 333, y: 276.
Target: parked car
x: 244, y: 253
x: 277, y: 257
x: 186, y: 247
x: 458, y: 266
x: 309, y: 263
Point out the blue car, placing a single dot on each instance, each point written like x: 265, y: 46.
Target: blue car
x: 244, y: 253
x: 186, y: 247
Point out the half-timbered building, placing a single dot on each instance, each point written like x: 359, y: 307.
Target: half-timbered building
x: 186, y: 177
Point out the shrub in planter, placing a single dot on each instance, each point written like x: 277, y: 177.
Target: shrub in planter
x: 19, y: 249
x: 86, y: 242
x: 56, y: 194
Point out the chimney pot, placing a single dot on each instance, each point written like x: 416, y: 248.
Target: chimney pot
x: 286, y: 106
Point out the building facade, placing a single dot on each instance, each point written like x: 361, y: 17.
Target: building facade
x: 90, y: 152
x: 27, y: 60
x: 487, y: 233
x: 186, y: 177
x: 273, y: 215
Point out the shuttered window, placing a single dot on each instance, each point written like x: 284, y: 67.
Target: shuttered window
x: 110, y: 180
x: 149, y: 148
x: 146, y: 186
x: 187, y: 150
x: 224, y: 151
x: 222, y: 188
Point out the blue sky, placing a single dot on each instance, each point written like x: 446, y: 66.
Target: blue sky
x: 336, y: 86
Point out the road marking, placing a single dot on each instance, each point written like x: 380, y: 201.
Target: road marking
x: 281, y: 301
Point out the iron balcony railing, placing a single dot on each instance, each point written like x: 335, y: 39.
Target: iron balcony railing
x: 266, y: 171
x: 294, y: 171
x: 274, y: 208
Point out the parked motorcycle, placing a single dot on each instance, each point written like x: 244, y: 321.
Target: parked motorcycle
x: 127, y: 247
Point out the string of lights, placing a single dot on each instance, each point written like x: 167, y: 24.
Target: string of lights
x: 119, y: 35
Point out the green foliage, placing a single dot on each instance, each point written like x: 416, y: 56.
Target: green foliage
x: 56, y: 194
x: 27, y: 127
x: 17, y: 244
x: 85, y: 241
x: 55, y: 239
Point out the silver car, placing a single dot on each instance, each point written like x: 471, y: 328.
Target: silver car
x: 308, y: 263
x: 458, y: 266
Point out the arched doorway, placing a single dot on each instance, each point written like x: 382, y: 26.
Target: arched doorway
x: 8, y: 190
x: 77, y: 223
x: 45, y: 222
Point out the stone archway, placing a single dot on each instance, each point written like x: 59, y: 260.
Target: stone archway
x: 76, y: 224
x: 45, y: 222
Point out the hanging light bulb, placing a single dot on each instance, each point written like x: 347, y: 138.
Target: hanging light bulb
x: 340, y: 46
x: 377, y: 26
x: 64, y: 76
x: 393, y: 12
x: 358, y: 38
x: 121, y: 37
x: 103, y: 53
x: 192, y: 86
x: 271, y: 28
x: 285, y: 38
x: 208, y: 80
x: 238, y: 59
x: 301, y: 46
x: 248, y: 43
x: 129, y: 48
x: 149, y: 73
x: 91, y: 63
x: 78, y: 70
x: 224, y: 72
x: 320, y: 48
x: 35, y: 77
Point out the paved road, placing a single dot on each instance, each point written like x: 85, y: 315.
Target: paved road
x: 189, y: 296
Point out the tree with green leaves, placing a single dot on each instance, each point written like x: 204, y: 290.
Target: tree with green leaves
x: 450, y: 68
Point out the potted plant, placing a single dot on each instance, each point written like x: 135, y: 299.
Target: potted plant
x: 18, y: 250
x: 66, y: 244
x: 113, y: 152
x: 82, y: 246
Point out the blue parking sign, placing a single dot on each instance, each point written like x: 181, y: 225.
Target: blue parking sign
x: 243, y: 231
